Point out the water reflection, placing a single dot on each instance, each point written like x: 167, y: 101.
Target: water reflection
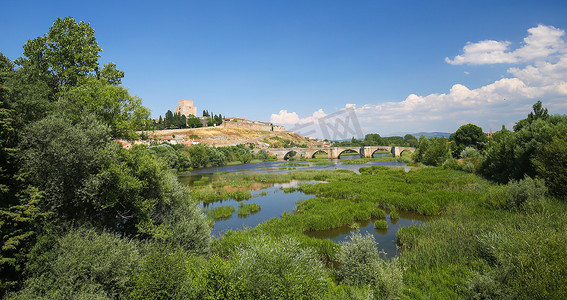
x: 386, y: 238
x: 273, y: 202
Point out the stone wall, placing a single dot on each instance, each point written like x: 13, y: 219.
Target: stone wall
x: 252, y: 125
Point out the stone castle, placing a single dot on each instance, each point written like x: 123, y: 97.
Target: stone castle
x: 185, y: 107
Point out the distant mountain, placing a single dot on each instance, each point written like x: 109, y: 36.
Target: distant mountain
x: 432, y: 134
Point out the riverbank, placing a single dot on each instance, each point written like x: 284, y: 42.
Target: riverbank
x: 471, y: 242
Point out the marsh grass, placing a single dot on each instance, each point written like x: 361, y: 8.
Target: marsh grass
x: 380, y: 224
x: 246, y: 209
x: 220, y: 212
x: 477, y: 247
x: 294, y: 164
x: 209, y: 195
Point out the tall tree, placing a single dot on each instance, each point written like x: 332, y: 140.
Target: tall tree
x: 539, y: 112
x: 68, y: 52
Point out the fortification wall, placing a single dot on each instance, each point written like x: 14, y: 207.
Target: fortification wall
x: 227, y: 123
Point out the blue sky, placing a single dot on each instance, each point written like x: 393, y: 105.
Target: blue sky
x: 401, y: 66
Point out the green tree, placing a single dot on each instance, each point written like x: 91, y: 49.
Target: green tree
x: 373, y: 139
x: 199, y: 156
x: 20, y: 216
x: 468, y: 135
x: 68, y: 52
x: 111, y: 74
x: 551, y: 164
x: 111, y: 104
x: 58, y: 157
x: 169, y: 121
x: 193, y: 122
x: 539, y: 112
x: 433, y: 151
x: 510, y: 154
x: 411, y: 141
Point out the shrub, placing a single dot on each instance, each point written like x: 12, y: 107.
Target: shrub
x: 451, y: 163
x: 186, y: 224
x: 216, y: 281
x: 470, y: 152
x: 360, y: 264
x: 280, y: 269
x: 357, y: 257
x: 523, y: 192
x: 468, y: 167
x: 83, y: 264
x: 164, y: 274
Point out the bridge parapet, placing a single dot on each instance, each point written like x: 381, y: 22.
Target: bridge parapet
x: 335, y: 152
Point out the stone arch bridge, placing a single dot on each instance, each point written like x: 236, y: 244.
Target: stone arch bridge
x: 335, y: 152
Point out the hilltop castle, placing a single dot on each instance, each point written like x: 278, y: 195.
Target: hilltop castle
x: 185, y: 107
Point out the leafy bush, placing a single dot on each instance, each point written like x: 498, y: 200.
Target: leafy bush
x: 452, y: 163
x: 551, y: 164
x: 470, y: 152
x: 282, y: 269
x: 165, y: 273
x: 360, y: 264
x: 357, y: 258
x: 527, y: 190
x: 83, y: 264
x: 186, y: 225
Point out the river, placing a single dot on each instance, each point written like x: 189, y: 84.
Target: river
x: 274, y: 201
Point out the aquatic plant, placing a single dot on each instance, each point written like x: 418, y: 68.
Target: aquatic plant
x: 247, y: 209
x: 220, y: 212
x: 380, y: 224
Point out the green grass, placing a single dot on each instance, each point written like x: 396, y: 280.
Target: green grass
x: 246, y: 209
x: 220, y: 212
x: 365, y: 160
x: 472, y: 249
x: 293, y: 164
x: 209, y: 195
x: 380, y: 224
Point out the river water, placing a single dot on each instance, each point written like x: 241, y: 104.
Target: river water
x: 274, y: 201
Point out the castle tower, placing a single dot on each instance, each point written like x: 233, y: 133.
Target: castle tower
x: 185, y: 107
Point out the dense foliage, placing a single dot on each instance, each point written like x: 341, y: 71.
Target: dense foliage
x: 83, y: 218
x: 61, y: 170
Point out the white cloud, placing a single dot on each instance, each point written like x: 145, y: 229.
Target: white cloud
x: 541, y: 42
x: 285, y: 118
x: 504, y: 101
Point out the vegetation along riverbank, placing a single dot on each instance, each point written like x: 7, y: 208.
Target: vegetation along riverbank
x: 83, y: 218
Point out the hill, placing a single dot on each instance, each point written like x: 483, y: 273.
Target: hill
x: 221, y: 136
x: 432, y: 134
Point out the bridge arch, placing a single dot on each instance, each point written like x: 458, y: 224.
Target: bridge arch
x: 287, y: 155
x: 407, y: 150
x: 312, y: 155
x: 341, y: 151
x: 382, y: 150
